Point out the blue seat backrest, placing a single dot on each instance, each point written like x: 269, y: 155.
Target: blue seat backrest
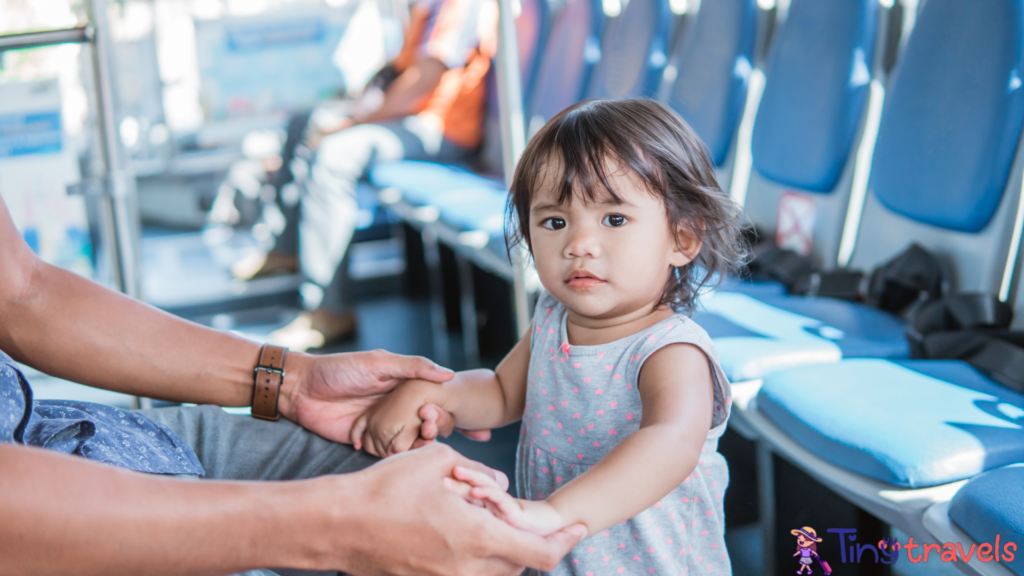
x: 713, y: 64
x: 816, y: 86
x: 946, y: 171
x: 566, y: 61
x: 531, y: 33
x: 633, y: 52
x: 952, y: 116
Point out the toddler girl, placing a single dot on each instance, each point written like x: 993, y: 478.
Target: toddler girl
x: 621, y: 396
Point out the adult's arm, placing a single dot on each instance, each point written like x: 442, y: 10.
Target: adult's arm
x: 66, y: 515
x: 70, y: 327
x: 408, y: 93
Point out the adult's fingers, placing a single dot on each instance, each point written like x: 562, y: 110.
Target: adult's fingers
x: 506, y: 506
x: 356, y: 433
x: 540, y: 552
x: 498, y: 475
x: 436, y: 422
x: 475, y: 477
x: 399, y: 366
x: 403, y: 441
x: 429, y: 414
x: 478, y: 435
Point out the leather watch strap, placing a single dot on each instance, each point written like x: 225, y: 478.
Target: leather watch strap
x: 267, y: 379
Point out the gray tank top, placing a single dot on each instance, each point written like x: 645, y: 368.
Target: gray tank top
x: 581, y: 401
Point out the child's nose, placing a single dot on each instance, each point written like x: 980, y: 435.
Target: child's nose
x: 583, y: 243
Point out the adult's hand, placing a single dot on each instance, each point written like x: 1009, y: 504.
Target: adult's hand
x: 439, y: 422
x: 325, y: 394
x: 398, y: 517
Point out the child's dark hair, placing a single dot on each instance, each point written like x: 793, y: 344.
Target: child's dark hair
x: 664, y: 152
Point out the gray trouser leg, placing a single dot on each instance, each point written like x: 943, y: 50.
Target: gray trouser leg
x: 243, y: 448
x: 329, y: 207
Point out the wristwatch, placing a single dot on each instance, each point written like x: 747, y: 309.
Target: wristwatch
x: 267, y: 379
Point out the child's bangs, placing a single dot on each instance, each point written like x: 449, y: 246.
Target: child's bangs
x: 581, y: 164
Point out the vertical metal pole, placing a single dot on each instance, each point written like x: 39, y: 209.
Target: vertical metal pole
x: 467, y: 305
x: 120, y: 204
x: 120, y: 218
x: 513, y: 140
x: 766, y: 500
x: 438, y: 320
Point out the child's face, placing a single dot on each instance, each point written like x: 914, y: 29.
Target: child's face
x: 604, y: 260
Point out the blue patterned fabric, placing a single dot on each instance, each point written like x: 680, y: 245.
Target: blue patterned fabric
x: 93, y: 431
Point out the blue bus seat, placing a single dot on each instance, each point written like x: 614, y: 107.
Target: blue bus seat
x: 633, y: 52
x: 421, y: 182
x: 712, y: 66
x: 757, y: 332
x: 991, y: 504
x: 811, y: 118
x: 912, y: 423
x: 567, y: 61
x: 921, y: 134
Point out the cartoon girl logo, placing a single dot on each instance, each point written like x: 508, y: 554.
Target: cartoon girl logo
x: 807, y: 549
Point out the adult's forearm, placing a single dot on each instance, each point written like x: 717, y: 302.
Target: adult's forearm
x: 72, y: 328
x: 409, y: 92
x: 65, y: 515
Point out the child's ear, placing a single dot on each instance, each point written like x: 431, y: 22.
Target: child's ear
x: 686, y: 248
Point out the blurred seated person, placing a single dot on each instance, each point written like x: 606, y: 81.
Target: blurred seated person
x: 433, y: 110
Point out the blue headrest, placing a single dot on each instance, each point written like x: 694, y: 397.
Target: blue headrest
x: 952, y: 115
x: 713, y: 65
x: 816, y: 87
x: 572, y: 49
x: 633, y: 52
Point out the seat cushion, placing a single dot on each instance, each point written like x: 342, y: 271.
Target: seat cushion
x: 912, y: 423
x: 422, y: 182
x: 756, y: 287
x: 771, y: 332
x: 479, y: 209
x: 991, y: 504
x: 863, y: 331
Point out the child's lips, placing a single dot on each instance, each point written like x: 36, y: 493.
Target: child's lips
x: 583, y: 279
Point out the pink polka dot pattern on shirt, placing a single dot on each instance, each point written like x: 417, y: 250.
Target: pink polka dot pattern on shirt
x: 594, y: 388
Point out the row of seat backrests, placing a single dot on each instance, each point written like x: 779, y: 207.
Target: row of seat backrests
x: 811, y: 117
x: 812, y: 124
x: 811, y: 121
x: 589, y: 56
x: 708, y: 76
x: 946, y: 174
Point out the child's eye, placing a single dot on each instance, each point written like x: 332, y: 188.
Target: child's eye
x: 553, y: 223
x: 614, y: 220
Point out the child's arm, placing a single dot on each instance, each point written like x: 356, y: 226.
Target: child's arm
x: 476, y: 399
x: 676, y: 391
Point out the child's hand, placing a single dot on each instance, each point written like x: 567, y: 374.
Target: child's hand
x: 391, y: 425
x: 537, y: 517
